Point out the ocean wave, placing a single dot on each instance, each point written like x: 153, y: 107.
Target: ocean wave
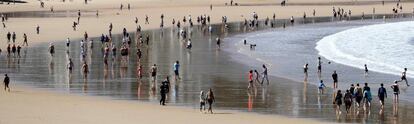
x: 385, y: 48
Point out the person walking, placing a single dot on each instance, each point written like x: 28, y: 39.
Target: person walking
x: 176, y: 67
x: 348, y: 100
x: 154, y: 72
x: 202, y: 101
x: 164, y: 89
x: 396, y: 91
x: 338, y: 101
x: 382, y: 94
x: 25, y: 39
x: 6, y: 82
x: 210, y: 100
x: 265, y: 74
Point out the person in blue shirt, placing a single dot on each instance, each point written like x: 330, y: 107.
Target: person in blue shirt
x: 176, y: 70
x: 321, y: 87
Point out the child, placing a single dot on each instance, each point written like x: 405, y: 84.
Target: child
x: 321, y: 87
x: 250, y: 79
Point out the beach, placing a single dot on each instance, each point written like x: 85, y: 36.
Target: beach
x: 203, y: 67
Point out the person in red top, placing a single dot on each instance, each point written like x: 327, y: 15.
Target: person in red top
x: 250, y: 79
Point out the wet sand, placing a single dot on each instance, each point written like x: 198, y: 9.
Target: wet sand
x: 203, y: 67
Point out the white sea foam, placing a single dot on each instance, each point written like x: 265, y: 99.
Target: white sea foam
x: 386, y: 48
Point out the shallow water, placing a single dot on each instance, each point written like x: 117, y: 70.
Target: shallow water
x: 202, y: 68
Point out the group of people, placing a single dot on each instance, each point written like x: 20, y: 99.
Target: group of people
x: 358, y: 95
x: 256, y: 79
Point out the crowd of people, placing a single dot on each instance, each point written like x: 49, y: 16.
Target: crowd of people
x: 358, y: 95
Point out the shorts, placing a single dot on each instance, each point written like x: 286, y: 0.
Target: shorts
x: 6, y: 84
x: 382, y: 99
x: 153, y: 74
x: 403, y: 78
x: 319, y: 67
x: 176, y: 72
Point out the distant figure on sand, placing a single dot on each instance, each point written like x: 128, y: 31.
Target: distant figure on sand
x: 85, y: 69
x: 335, y: 79
x: 176, y: 67
x: 51, y: 49
x: 210, y: 100
x: 154, y: 72
x: 305, y: 69
x: 404, y: 77
x: 319, y: 66
x: 70, y: 66
x: 366, y: 70
x: 6, y: 82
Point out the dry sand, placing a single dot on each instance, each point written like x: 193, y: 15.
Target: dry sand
x: 28, y: 106
x: 25, y: 105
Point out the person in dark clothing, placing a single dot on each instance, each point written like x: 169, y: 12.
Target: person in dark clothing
x: 6, y: 82
x: 25, y: 39
x: 338, y: 101
x: 14, y: 37
x: 210, y: 100
x: 8, y: 37
x: 352, y: 90
x: 164, y: 88
x: 335, y: 79
x: 348, y: 100
x: 18, y: 50
x: 8, y: 50
x: 396, y: 90
x: 14, y: 50
x: 382, y: 94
